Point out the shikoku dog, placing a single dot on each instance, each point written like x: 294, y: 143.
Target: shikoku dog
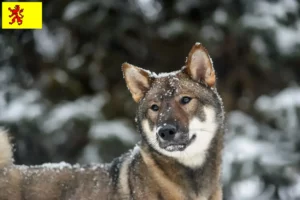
x: 180, y: 118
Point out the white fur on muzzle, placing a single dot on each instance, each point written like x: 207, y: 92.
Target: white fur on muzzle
x: 193, y: 155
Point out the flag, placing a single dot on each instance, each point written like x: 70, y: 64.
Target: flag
x: 22, y: 15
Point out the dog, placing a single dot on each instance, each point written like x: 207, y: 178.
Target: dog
x: 180, y: 118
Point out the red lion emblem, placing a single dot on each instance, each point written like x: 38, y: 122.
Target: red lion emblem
x: 15, y: 14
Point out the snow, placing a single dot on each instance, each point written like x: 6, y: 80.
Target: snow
x: 259, y: 45
x: 165, y: 74
x: 293, y: 191
x: 266, y: 22
x: 135, y: 151
x: 172, y: 28
x: 60, y: 165
x: 49, y: 43
x: 270, y: 11
x: 46, y: 166
x: 74, y: 9
x: 22, y: 107
x: 220, y: 16
x: 264, y: 15
x: 277, y: 9
x: 90, y: 154
x: 114, y: 128
x: 241, y: 123
x: 289, y: 97
x: 85, y: 107
x: 247, y: 189
x: 288, y: 38
x: 75, y: 62
x: 283, y: 109
x: 250, y: 144
x: 6, y: 73
x: 61, y: 76
x: 57, y: 167
x: 150, y: 8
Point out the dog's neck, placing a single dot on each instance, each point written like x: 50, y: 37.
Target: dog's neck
x: 171, y: 174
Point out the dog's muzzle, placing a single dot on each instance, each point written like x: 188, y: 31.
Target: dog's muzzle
x: 171, y: 139
x: 167, y: 133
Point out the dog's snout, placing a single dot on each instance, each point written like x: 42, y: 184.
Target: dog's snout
x: 167, y: 132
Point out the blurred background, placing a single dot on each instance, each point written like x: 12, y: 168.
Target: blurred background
x: 63, y: 97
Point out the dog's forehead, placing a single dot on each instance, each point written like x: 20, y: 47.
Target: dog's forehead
x: 170, y: 85
x: 164, y: 87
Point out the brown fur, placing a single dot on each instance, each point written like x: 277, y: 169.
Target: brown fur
x: 157, y: 175
x: 42, y: 183
x: 5, y: 149
x: 206, y: 75
x: 217, y: 195
x: 142, y: 83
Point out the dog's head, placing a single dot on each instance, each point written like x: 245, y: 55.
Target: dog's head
x: 180, y: 112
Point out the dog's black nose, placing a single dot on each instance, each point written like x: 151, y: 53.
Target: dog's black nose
x: 167, y: 132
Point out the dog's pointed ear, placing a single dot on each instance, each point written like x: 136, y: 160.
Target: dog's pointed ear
x: 199, y: 65
x: 137, y: 79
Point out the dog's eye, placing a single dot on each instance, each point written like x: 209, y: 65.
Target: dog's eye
x: 154, y: 107
x: 185, y: 100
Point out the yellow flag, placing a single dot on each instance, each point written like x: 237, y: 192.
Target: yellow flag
x: 22, y: 15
